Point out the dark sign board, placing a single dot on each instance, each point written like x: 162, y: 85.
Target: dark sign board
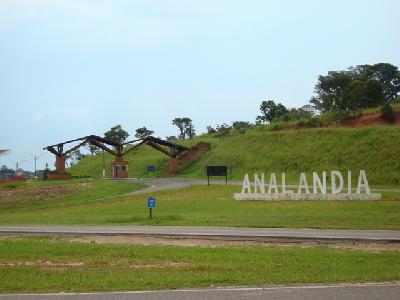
x: 217, y: 171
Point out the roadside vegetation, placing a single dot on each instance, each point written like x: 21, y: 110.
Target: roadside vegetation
x: 79, y: 267
x: 359, y: 96
x: 212, y: 206
x: 43, y: 194
x: 374, y: 149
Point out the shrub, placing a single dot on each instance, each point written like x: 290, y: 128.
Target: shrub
x: 223, y: 131
x: 310, y: 122
x: 45, y: 172
x: 336, y: 115
x: 387, y: 113
x: 81, y: 176
x: 11, y: 185
x: 276, y: 126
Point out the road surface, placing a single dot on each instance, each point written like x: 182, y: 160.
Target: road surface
x: 227, y: 233
x: 386, y: 291
x: 159, y: 184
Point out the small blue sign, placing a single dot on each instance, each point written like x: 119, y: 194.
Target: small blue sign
x: 151, y: 202
x: 151, y: 169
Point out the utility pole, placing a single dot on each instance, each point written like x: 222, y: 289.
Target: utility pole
x: 35, y: 158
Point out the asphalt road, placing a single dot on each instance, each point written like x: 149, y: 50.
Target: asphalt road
x: 228, y: 233
x: 326, y: 292
x: 158, y: 184
x: 155, y: 184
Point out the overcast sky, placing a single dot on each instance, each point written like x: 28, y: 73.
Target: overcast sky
x: 73, y: 68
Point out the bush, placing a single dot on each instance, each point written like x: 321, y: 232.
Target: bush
x: 310, y: 122
x: 387, y: 113
x: 223, y: 131
x: 336, y: 115
x: 11, y: 185
x: 81, y: 176
x: 45, y: 172
x: 276, y: 126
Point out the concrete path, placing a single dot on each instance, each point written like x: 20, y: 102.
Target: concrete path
x: 227, y: 233
x: 159, y: 184
x: 327, y: 292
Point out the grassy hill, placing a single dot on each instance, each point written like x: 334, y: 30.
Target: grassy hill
x: 375, y: 149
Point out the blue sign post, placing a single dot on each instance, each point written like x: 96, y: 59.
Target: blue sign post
x: 151, y: 169
x: 151, y: 203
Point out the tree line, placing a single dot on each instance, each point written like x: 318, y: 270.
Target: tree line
x: 341, y: 92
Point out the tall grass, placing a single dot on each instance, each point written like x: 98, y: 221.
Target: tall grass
x: 374, y: 149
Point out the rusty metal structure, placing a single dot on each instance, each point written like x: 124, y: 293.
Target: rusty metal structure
x: 119, y: 167
x: 3, y: 152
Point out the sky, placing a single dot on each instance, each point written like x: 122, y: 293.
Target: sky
x: 74, y: 68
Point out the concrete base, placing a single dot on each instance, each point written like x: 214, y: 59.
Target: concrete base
x: 119, y: 168
x: 296, y: 196
x: 60, y: 164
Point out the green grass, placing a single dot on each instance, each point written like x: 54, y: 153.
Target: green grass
x: 215, y: 206
x: 46, y: 194
x: 120, y: 267
x: 374, y: 149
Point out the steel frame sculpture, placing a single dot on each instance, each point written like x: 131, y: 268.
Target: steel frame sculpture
x: 119, y: 167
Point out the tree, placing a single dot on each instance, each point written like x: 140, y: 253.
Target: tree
x: 386, y: 74
x: 241, y: 126
x: 189, y: 130
x: 210, y: 130
x: 223, y: 130
x: 116, y: 134
x: 270, y: 111
x: 308, y: 108
x: 297, y: 114
x: 6, y: 172
x: 171, y: 138
x: 363, y: 94
x: 185, y: 126
x: 356, y: 87
x: 331, y: 90
x: 180, y: 123
x: 93, y: 149
x: 143, y: 132
x: 75, y: 156
x: 387, y: 113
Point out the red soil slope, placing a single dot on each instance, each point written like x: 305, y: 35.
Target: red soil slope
x: 370, y: 119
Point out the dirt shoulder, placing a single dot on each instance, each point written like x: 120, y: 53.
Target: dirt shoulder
x: 213, y: 243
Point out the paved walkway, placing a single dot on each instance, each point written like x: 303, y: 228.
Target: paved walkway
x: 227, y: 233
x: 386, y: 291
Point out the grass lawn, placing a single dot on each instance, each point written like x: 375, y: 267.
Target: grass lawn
x: 213, y: 206
x: 46, y: 194
x: 45, y: 265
